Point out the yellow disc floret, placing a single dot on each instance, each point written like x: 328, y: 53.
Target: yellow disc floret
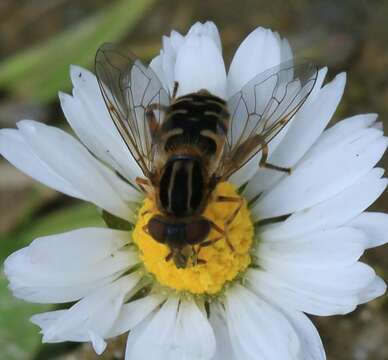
x: 217, y: 263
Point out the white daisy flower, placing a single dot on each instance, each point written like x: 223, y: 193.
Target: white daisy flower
x: 295, y: 248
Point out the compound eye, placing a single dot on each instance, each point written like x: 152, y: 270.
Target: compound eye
x: 197, y: 231
x: 156, y: 228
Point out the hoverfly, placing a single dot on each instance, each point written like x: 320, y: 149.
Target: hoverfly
x: 186, y: 145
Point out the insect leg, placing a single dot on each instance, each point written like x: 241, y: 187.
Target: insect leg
x: 142, y: 183
x: 223, y: 233
x: 194, y: 258
x: 169, y: 256
x: 263, y: 162
x: 234, y: 199
x: 175, y: 90
x: 206, y: 243
x: 145, y: 229
x: 153, y: 123
x: 233, y: 215
x: 222, y: 198
x: 156, y: 106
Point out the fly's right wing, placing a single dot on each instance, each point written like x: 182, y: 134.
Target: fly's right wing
x: 261, y: 109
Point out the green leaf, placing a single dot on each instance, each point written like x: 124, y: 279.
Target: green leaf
x: 19, y: 338
x: 115, y: 222
x: 39, y: 72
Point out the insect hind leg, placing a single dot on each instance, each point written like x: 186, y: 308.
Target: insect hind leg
x: 175, y: 89
x: 264, y: 164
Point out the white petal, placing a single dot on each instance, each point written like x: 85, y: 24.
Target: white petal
x: 286, y: 51
x: 311, y: 347
x: 260, y: 51
x: 87, y: 114
x: 156, y: 66
x: 339, y: 281
x: 70, y: 160
x: 134, y: 313
x: 314, y: 291
x: 164, y: 64
x: 323, y: 303
x: 311, y: 344
x: 157, y: 337
x: 258, y: 330
x: 199, y: 65
x: 378, y: 125
x: 333, y: 212
x: 318, y: 250
x: 60, y: 294
x: 208, y: 29
x: 374, y: 225
x: 174, y: 334
x: 134, y: 336
x: 98, y: 343
x: 193, y: 332
x: 175, y: 40
x: 164, y: 67
x: 68, y: 266
x: 15, y: 149
x: 307, y: 125
x: 224, y: 349
x: 45, y: 320
x: 375, y: 289
x: 91, y: 318
x: 323, y: 174
x: 297, y: 297
x: 343, y: 129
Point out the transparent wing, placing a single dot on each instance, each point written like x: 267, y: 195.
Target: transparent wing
x: 261, y: 109
x: 129, y: 87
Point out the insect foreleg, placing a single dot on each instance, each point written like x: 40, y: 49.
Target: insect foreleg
x: 143, y: 183
x: 169, y: 256
x: 145, y: 229
x: 223, y: 233
x: 196, y: 260
x: 208, y: 243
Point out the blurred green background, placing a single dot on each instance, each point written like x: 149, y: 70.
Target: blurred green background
x: 40, y: 38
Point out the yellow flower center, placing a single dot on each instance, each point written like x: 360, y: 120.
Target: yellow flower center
x: 209, y: 267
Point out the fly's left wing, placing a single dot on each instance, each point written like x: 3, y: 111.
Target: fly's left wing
x: 261, y: 109
x: 129, y: 89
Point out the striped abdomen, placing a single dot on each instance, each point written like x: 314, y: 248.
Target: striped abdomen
x: 181, y: 188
